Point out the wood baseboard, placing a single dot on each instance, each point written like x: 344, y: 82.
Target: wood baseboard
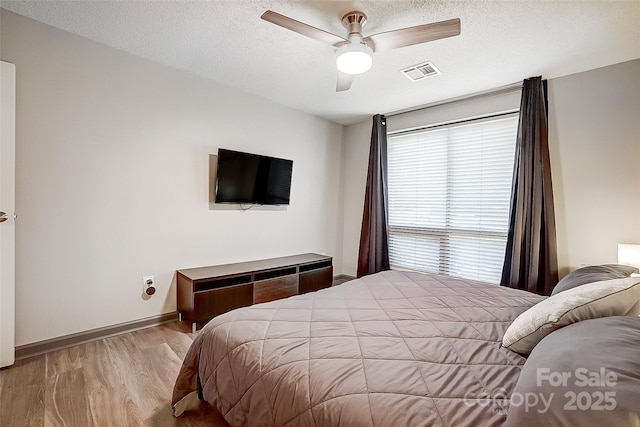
x: 341, y: 278
x: 41, y: 347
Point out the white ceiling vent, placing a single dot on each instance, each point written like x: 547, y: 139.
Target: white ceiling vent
x: 421, y: 71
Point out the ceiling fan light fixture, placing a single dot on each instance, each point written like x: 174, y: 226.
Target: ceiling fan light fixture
x: 354, y: 58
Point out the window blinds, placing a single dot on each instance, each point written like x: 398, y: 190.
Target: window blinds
x: 449, y: 192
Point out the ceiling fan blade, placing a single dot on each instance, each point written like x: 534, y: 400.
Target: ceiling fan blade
x: 414, y: 35
x: 344, y: 82
x: 302, y: 28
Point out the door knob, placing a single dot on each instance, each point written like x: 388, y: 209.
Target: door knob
x: 3, y: 216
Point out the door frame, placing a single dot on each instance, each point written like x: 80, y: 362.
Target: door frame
x: 7, y: 204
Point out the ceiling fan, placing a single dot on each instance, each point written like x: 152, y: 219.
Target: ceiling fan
x: 354, y: 53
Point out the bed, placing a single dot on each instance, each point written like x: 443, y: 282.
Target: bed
x: 393, y: 348
x: 408, y: 349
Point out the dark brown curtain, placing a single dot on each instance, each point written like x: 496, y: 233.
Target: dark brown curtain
x: 531, y: 261
x: 374, y: 238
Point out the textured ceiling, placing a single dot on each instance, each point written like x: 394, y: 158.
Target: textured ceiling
x: 501, y: 42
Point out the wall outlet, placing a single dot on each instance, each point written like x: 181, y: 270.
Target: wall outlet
x: 147, y: 281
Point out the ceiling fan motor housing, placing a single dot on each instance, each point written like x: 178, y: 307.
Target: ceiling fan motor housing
x: 354, y: 22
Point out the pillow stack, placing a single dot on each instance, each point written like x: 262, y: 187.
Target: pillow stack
x: 587, y: 293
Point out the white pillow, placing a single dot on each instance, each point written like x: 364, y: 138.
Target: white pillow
x: 617, y: 297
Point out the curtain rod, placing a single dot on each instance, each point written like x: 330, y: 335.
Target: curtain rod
x: 503, y: 89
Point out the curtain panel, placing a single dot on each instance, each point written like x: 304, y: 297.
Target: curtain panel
x: 373, y: 255
x: 531, y: 261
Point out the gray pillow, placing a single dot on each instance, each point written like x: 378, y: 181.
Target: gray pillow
x: 599, y: 359
x: 593, y: 273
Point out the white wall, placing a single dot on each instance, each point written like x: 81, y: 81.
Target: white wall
x: 594, y: 142
x: 355, y: 157
x: 112, y: 180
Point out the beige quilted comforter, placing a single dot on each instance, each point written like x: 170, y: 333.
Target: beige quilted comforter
x: 390, y: 349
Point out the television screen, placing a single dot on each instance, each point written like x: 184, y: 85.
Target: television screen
x: 252, y: 179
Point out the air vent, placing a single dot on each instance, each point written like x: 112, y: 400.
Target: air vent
x: 420, y: 72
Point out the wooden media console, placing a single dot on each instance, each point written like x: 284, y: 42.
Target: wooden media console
x: 206, y: 292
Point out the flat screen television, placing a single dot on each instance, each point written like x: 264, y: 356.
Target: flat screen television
x: 244, y: 178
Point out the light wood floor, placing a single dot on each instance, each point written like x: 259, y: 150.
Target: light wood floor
x: 125, y: 380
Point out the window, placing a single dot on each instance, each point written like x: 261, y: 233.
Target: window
x: 449, y: 193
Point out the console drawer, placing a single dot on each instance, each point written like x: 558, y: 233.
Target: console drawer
x: 273, y: 289
x: 314, y: 280
x: 208, y: 304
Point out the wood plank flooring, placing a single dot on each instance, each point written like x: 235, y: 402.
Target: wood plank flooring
x: 125, y: 380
